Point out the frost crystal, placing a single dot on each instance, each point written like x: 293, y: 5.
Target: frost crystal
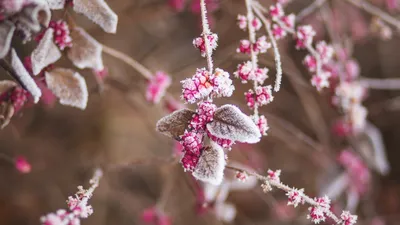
x: 210, y: 167
x: 45, y: 53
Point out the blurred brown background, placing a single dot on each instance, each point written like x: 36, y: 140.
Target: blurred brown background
x: 65, y: 144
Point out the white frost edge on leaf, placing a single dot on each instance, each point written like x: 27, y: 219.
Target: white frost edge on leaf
x: 237, y: 135
x: 24, y: 77
x: 45, y: 53
x: 81, y: 85
x: 218, y: 158
x: 56, y: 4
x: 99, y: 12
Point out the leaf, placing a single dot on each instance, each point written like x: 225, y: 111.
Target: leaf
x: 24, y: 78
x: 45, y: 53
x: 69, y: 86
x: 6, y: 33
x: 56, y: 4
x: 99, y: 12
x: 175, y: 124
x: 6, y: 85
x: 85, y: 51
x: 211, y: 165
x: 34, y: 15
x: 230, y: 123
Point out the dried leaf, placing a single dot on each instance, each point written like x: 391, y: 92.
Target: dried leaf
x: 34, y: 15
x: 45, y: 53
x: 99, y: 12
x: 69, y: 86
x: 85, y: 51
x: 24, y: 78
x: 175, y: 124
x: 211, y: 165
x: 56, y: 4
x: 230, y: 123
x: 6, y: 85
x: 6, y: 33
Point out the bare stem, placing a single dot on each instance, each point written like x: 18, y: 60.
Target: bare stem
x: 368, y: 7
x: 252, y: 38
x: 381, y: 84
x: 309, y: 9
x: 130, y: 61
x: 206, y: 33
x: 278, y: 63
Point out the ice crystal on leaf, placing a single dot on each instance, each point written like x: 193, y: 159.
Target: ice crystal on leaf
x: 45, y: 53
x: 210, y: 167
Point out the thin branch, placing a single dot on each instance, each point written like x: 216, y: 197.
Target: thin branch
x: 381, y: 84
x: 206, y: 33
x: 278, y: 63
x: 129, y: 60
x: 368, y: 7
x: 309, y: 9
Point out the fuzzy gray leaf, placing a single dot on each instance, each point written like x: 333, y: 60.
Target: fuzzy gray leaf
x: 34, y: 15
x: 23, y: 76
x: 230, y: 123
x: 99, y: 12
x: 56, y: 4
x: 45, y: 53
x: 6, y: 33
x: 69, y: 86
x: 6, y: 85
x: 85, y: 51
x: 211, y: 165
x: 175, y: 124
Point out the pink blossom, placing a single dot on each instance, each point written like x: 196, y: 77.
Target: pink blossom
x: 18, y: 97
x: 241, y: 176
x: 261, y: 45
x: 200, y: 44
x: 304, y: 36
x: 276, y: 11
x: 189, y: 161
x: 295, y: 197
x: 310, y: 62
x: 243, y: 71
x: 264, y: 95
x: 320, y: 81
x: 260, y: 75
x: 274, y: 175
x: 347, y: 218
x: 357, y: 170
x: 244, y: 47
x: 278, y: 32
x: 261, y: 123
x: 157, y: 86
x: 325, y: 51
x: 342, y: 128
x: 289, y: 21
x: 250, y: 99
x: 191, y: 142
x: 242, y: 22
x: 197, y: 87
x: 256, y: 23
x: 318, y: 213
x: 101, y: 74
x: 62, y: 36
x: 222, y: 84
x: 22, y: 165
x: 352, y: 69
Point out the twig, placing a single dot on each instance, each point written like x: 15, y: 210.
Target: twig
x: 309, y: 9
x: 381, y: 84
x: 368, y: 7
x: 206, y: 32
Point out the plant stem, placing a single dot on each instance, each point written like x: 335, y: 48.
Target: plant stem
x: 206, y: 33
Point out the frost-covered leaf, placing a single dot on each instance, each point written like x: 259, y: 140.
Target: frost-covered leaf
x: 56, y: 4
x: 34, y: 15
x: 69, y: 86
x: 6, y: 85
x: 45, y: 53
x: 85, y: 51
x: 230, y: 123
x: 6, y: 33
x: 175, y: 124
x: 211, y: 165
x: 99, y: 12
x: 24, y: 78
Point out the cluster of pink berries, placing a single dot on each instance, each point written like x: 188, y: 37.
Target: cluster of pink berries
x: 317, y: 58
x: 157, y: 87
x: 61, y: 37
x: 17, y: 97
x: 205, y: 85
x: 78, y: 207
x: 250, y: 71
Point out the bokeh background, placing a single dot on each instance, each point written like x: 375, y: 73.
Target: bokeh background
x: 117, y: 130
